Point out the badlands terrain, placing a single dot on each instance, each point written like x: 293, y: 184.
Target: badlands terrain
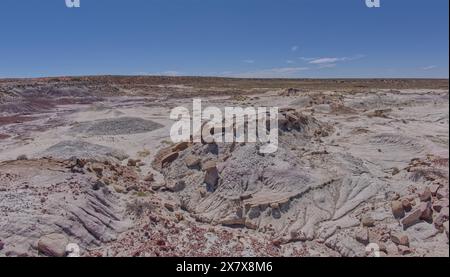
x: 87, y: 167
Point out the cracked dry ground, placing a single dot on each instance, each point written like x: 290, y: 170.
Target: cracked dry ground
x: 352, y: 168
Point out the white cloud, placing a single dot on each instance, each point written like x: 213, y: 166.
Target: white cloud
x: 249, y: 61
x: 306, y: 59
x: 429, y: 67
x: 325, y: 60
x: 327, y: 65
x: 170, y: 73
x: 278, y: 72
x: 290, y: 62
x: 164, y: 73
x: 294, y: 48
x: 328, y: 62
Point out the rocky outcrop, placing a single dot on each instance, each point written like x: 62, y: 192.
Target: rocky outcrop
x: 45, y: 206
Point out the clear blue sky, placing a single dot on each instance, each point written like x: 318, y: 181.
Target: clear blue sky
x: 254, y: 38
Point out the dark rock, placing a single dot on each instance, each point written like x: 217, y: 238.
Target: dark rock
x: 426, y: 195
x: 397, y: 209
x: 53, y: 245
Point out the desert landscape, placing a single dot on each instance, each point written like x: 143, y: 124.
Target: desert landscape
x: 87, y: 167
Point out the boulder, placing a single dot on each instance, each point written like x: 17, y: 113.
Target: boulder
x: 411, y: 219
x: 407, y: 205
x: 212, y: 176
x: 119, y: 189
x: 192, y: 161
x: 73, y: 250
x: 98, y: 170
x: 212, y: 173
x: 400, y: 239
x: 22, y: 158
x: 426, y: 195
x: 176, y: 186
x: 180, y: 146
x: 404, y: 250
x: 53, y: 245
x: 170, y: 206
x: 398, y: 209
x: 149, y: 178
x: 368, y: 221
x: 440, y: 220
x: 132, y: 162
x: 362, y: 235
x: 169, y: 158
x: 208, y: 165
x: 392, y: 249
x: 427, y: 212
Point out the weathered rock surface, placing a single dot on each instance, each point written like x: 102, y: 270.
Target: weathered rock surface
x: 53, y: 245
x: 44, y: 203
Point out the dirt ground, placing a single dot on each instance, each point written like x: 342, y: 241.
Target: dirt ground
x: 89, y: 160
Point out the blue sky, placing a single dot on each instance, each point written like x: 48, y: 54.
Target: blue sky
x: 237, y: 38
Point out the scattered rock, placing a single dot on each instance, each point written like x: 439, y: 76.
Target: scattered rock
x: 132, y: 162
x: 176, y: 186
x: 392, y: 196
x: 362, y: 235
x: 157, y: 186
x: 22, y: 158
x: 98, y: 185
x: 404, y: 250
x: 192, y: 161
x: 274, y: 205
x: 212, y: 174
x: 80, y: 163
x: 83, y: 150
x: 407, y: 206
x: 180, y: 146
x: 392, y: 249
x: 290, y: 92
x: 400, y: 239
x: 149, y: 178
x: 170, y: 206
x: 98, y: 170
x: 411, y: 219
x: 395, y: 171
x: 440, y: 220
x: 398, y: 209
x: 169, y: 158
x: 2, y: 245
x: 119, y: 189
x: 427, y: 212
x: 368, y: 221
x: 72, y: 250
x: 208, y: 165
x: 426, y: 195
x: 53, y: 245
